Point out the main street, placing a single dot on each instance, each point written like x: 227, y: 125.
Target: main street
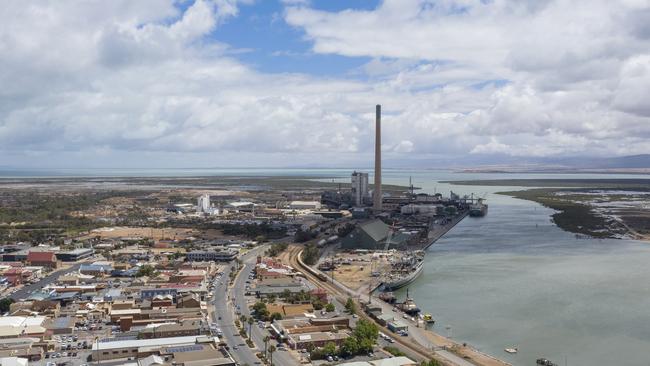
x: 237, y: 292
x: 225, y: 301
x: 224, y: 317
x: 25, y: 291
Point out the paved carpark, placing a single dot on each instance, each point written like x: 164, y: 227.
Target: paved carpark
x: 62, y: 341
x: 81, y: 358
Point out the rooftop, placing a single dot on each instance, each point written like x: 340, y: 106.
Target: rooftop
x: 156, y: 342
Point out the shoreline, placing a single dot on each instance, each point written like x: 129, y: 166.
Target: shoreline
x: 452, y: 351
x: 596, y: 208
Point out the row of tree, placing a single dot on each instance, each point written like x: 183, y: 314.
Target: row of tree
x: 260, y: 312
x: 276, y: 249
x: 304, y: 235
x: 310, y: 254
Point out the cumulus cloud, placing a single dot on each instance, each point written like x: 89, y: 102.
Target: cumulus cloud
x: 558, y: 69
x: 150, y: 78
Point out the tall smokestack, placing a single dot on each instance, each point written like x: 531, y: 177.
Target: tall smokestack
x: 377, y: 190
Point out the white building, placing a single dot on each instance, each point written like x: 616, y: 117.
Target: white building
x: 304, y: 205
x: 21, y: 326
x: 359, y: 188
x: 204, y: 203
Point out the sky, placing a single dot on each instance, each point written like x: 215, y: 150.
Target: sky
x: 294, y: 83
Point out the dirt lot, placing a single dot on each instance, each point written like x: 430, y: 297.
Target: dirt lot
x: 141, y: 232
x: 358, y: 273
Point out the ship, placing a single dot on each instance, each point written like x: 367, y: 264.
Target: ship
x: 404, y: 271
x: 479, y: 209
x: 408, y: 306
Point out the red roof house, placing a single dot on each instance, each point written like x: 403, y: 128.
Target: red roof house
x: 42, y: 258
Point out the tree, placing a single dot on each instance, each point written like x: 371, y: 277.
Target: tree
x: 350, y: 306
x: 350, y: 346
x: 431, y: 362
x: 329, y: 349
x: 366, y: 330
x: 317, y: 304
x: 286, y: 294
x: 145, y: 270
x: 271, y: 350
x: 276, y: 316
x: 266, y: 342
x: 5, y: 304
x: 302, y: 236
x: 330, y: 307
x: 250, y: 325
x: 310, y: 254
x: 366, y: 345
x: 261, y: 312
x: 276, y: 249
x: 394, y: 351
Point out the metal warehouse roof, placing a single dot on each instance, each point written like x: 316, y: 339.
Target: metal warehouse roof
x: 156, y: 342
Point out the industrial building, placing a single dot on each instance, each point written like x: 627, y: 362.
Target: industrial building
x: 225, y: 255
x: 359, y: 188
x: 75, y: 255
x: 203, y: 203
x: 103, y: 351
x: 376, y: 235
x: 304, y: 205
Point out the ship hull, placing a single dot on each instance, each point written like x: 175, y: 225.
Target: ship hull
x: 478, y: 212
x: 394, y: 285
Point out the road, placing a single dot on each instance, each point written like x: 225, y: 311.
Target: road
x: 225, y: 301
x: 224, y: 317
x: 237, y: 292
x: 24, y: 292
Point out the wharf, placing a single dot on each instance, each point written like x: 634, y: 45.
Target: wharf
x: 437, y: 231
x: 422, y: 343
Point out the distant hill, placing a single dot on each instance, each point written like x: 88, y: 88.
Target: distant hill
x: 621, y: 164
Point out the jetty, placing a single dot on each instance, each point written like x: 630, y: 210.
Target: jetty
x: 437, y: 230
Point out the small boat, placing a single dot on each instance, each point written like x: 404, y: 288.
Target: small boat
x: 511, y: 350
x: 408, y: 306
x: 428, y: 318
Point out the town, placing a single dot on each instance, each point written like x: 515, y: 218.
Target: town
x: 171, y: 272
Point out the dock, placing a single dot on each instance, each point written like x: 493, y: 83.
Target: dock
x: 437, y: 231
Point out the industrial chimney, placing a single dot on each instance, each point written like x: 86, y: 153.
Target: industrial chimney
x: 377, y: 191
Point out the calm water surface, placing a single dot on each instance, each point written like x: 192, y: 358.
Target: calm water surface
x: 514, y: 279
